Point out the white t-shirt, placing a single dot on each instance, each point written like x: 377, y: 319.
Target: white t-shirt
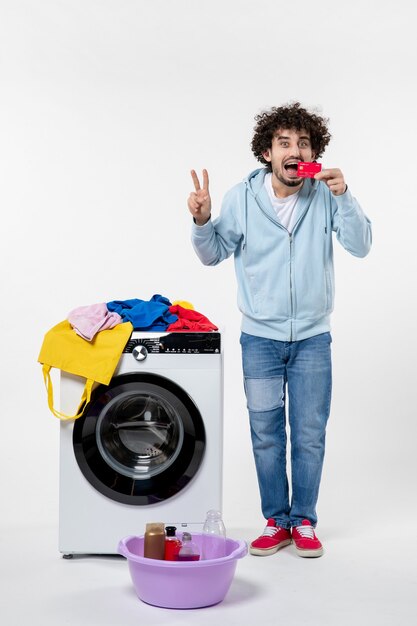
x: 284, y: 207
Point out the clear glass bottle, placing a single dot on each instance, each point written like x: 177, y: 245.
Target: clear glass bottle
x: 189, y: 550
x: 214, y: 536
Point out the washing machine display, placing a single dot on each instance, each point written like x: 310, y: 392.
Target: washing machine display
x: 141, y: 440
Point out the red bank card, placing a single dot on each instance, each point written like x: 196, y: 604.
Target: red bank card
x: 307, y: 170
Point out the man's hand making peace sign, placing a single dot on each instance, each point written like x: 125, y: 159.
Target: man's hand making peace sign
x: 199, y: 202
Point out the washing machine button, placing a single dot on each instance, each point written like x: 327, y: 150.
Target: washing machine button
x: 140, y: 352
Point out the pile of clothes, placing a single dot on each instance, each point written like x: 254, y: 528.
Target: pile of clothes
x: 156, y: 314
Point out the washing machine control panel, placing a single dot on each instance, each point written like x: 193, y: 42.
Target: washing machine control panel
x: 173, y: 343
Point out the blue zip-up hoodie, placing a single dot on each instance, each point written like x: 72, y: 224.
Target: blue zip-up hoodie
x: 285, y: 281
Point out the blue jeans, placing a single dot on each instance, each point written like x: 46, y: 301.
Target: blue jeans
x: 302, y: 370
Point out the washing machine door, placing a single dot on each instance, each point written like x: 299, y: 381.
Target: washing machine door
x: 141, y: 439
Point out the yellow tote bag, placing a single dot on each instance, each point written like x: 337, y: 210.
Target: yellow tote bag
x: 94, y: 360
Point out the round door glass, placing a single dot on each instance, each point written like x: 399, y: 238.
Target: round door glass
x: 139, y: 434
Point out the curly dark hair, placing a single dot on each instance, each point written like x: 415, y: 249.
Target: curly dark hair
x: 290, y: 116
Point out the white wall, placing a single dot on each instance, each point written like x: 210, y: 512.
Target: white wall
x: 105, y: 107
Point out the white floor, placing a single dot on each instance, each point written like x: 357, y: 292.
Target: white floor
x: 364, y: 578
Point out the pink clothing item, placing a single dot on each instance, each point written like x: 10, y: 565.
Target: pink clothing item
x: 88, y: 320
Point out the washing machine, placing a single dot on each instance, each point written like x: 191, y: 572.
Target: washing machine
x: 149, y: 445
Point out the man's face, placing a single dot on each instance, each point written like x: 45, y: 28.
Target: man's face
x: 288, y: 148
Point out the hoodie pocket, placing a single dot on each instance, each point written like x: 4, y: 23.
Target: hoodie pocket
x: 329, y: 291
x: 270, y: 299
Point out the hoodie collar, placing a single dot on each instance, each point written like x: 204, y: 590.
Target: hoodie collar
x: 255, y: 186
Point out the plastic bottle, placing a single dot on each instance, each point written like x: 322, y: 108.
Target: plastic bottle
x: 172, y: 544
x: 154, y: 541
x: 214, y: 536
x: 189, y: 550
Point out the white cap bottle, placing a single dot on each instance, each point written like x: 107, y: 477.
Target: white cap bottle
x: 189, y: 550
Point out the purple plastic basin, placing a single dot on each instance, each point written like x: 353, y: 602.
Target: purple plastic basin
x: 181, y: 585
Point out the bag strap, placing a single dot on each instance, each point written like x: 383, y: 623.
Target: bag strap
x: 85, y: 398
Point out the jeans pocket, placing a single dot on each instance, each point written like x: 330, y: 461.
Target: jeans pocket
x: 264, y: 394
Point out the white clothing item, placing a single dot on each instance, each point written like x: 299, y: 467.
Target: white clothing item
x: 284, y: 207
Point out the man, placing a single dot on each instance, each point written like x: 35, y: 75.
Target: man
x: 279, y: 228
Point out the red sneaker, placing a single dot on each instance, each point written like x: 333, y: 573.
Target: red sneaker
x: 272, y: 539
x: 306, y: 542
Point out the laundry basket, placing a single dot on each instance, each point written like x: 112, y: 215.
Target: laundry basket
x: 181, y: 585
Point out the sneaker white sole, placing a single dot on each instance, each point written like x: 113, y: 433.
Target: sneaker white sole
x: 268, y: 551
x: 309, y: 553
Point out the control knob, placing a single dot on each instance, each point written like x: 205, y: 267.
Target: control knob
x: 140, y: 352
